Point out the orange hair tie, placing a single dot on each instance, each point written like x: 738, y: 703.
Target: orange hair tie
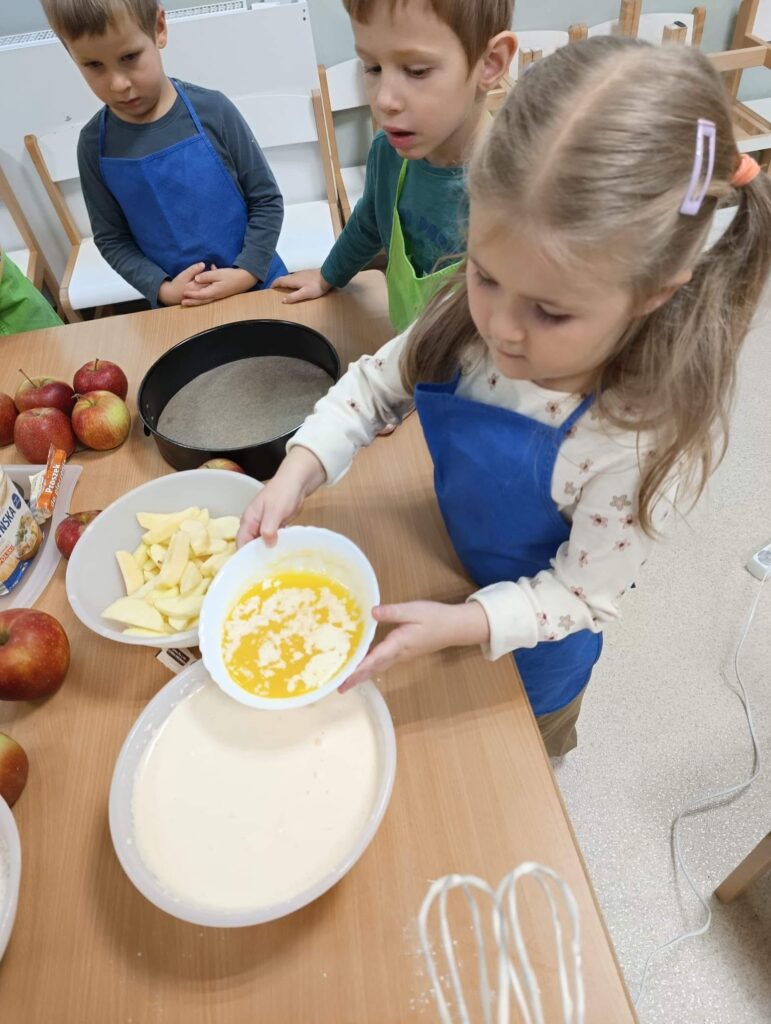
x: 748, y: 169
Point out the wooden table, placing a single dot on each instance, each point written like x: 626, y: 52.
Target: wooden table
x: 474, y: 790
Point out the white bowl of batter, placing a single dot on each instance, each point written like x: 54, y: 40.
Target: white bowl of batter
x: 228, y: 816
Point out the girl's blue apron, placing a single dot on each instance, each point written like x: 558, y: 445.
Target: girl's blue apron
x: 181, y: 204
x: 493, y: 470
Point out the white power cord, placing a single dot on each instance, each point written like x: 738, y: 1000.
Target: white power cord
x: 708, y: 799
x: 506, y: 930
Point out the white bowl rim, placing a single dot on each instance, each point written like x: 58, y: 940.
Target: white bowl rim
x: 186, y: 639
x: 10, y: 833
x: 206, y: 640
x: 189, y: 681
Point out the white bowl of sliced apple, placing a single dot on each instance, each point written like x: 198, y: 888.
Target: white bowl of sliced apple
x: 139, y: 572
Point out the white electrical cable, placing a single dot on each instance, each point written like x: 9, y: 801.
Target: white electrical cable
x: 506, y: 929
x: 708, y: 799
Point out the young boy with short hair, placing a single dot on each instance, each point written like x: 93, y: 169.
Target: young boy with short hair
x: 429, y: 65
x: 182, y: 202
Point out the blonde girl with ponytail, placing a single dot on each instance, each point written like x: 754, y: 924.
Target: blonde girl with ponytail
x: 574, y: 379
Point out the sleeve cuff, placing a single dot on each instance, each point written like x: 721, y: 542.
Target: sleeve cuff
x: 511, y: 619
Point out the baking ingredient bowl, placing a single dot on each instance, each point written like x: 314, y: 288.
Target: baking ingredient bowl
x: 190, y: 807
x: 94, y: 580
x: 10, y: 873
x: 299, y: 549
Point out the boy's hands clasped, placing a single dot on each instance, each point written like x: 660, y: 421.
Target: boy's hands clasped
x: 197, y: 286
x: 422, y: 627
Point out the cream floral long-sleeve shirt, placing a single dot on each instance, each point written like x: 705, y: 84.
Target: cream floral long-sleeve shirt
x: 595, y: 485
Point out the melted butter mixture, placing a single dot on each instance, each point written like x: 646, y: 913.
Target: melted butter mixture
x: 291, y: 633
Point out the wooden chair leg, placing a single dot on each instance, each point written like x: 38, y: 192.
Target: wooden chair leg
x: 66, y: 308
x: 755, y: 864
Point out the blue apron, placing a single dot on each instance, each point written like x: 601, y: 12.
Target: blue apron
x: 493, y: 470
x: 181, y: 204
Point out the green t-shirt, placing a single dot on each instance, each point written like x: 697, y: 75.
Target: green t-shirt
x: 433, y: 210
x: 22, y: 307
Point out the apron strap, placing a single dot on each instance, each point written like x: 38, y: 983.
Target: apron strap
x: 400, y: 182
x: 190, y: 108
x: 575, y: 416
x: 102, y: 112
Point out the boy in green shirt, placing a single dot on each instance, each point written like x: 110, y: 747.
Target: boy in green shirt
x: 429, y: 65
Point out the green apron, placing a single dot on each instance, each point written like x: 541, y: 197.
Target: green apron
x: 408, y: 293
x: 22, y: 307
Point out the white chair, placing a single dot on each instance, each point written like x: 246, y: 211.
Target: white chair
x: 292, y: 135
x: 18, y: 242
x: 343, y: 90
x: 88, y: 281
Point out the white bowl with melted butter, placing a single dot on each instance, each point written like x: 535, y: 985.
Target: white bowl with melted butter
x: 227, y: 816
x: 282, y: 627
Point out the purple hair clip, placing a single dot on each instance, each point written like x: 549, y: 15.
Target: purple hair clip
x: 693, y: 199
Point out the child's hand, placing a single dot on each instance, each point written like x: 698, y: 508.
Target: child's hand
x: 171, y: 292
x: 422, y: 628
x: 299, y: 475
x: 217, y: 284
x: 305, y: 284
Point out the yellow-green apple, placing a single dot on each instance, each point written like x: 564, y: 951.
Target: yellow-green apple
x: 44, y: 393
x: 34, y: 654
x: 8, y: 414
x: 35, y: 430
x: 69, y: 530
x: 14, y: 768
x: 101, y: 420
x: 222, y: 464
x: 101, y: 375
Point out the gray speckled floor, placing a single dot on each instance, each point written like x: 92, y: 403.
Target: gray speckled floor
x: 660, y: 726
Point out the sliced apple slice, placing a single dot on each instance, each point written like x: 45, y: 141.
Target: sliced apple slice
x: 225, y: 527
x: 137, y: 631
x: 180, y: 607
x: 190, y: 578
x: 141, y: 555
x: 157, y: 593
x: 179, y: 625
x: 134, y: 613
x: 165, y: 530
x: 176, y: 560
x: 133, y: 577
x: 214, y: 563
x: 157, y: 553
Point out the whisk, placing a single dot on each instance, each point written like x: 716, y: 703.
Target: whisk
x: 514, y: 970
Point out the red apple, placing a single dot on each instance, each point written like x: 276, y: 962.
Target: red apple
x: 69, y: 530
x: 14, y: 768
x: 8, y: 414
x: 101, y: 420
x: 44, y: 393
x: 35, y: 430
x: 34, y: 654
x: 222, y: 464
x: 101, y: 375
